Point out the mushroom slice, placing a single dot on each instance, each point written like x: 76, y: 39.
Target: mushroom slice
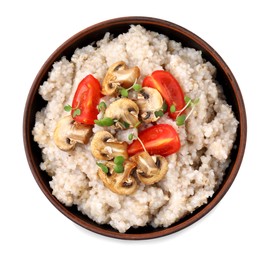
x: 125, y: 112
x: 68, y: 132
x: 149, y: 101
x: 119, y: 75
x: 121, y: 183
x: 105, y: 147
x: 151, y: 169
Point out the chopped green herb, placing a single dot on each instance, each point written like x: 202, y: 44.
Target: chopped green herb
x: 159, y: 113
x: 106, y: 121
x: 119, y: 168
x: 102, y: 106
x: 172, y: 109
x: 67, y: 108
x: 76, y: 112
x: 180, y: 120
x: 137, y: 87
x: 119, y: 159
x: 103, y: 167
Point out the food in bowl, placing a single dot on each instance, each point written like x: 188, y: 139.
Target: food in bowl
x: 193, y: 150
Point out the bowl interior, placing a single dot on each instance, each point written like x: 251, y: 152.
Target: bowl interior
x: 117, y: 26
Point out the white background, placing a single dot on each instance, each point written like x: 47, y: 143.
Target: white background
x: 240, y: 227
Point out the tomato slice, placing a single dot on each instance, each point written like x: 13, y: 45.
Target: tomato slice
x: 86, y: 100
x: 168, y: 87
x: 159, y: 139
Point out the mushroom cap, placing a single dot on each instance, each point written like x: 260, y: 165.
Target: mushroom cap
x: 123, y: 110
x: 149, y: 101
x: 68, y: 132
x: 120, y: 183
x: 105, y: 147
x: 150, y: 169
x: 119, y: 75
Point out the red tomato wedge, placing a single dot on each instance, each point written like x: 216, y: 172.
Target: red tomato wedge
x: 168, y: 87
x: 86, y: 100
x: 159, y: 139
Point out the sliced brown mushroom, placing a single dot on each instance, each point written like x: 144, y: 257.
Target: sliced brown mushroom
x: 149, y: 101
x: 105, y: 147
x: 119, y: 75
x: 121, y: 183
x: 125, y: 113
x: 68, y: 132
x: 151, y: 169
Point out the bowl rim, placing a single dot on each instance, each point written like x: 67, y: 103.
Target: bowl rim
x: 46, y: 67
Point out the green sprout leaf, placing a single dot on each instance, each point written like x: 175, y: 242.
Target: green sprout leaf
x: 103, y: 167
x: 180, y: 120
x: 187, y: 99
x: 164, y: 107
x: 119, y: 159
x: 172, y: 109
x: 106, y: 121
x: 67, y: 108
x: 137, y: 87
x: 124, y: 92
x: 159, y: 113
x: 76, y: 112
x: 130, y: 137
x: 119, y: 168
x: 102, y: 106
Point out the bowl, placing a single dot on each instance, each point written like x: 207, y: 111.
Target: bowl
x: 117, y: 26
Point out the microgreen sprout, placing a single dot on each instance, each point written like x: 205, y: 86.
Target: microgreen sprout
x: 137, y: 87
x: 131, y: 137
x: 172, y: 108
x: 181, y: 118
x: 102, y: 106
x: 76, y: 111
x: 134, y: 137
x: 124, y: 91
x: 191, y: 103
x: 119, y: 159
x: 119, y: 167
x: 67, y: 108
x: 106, y: 121
x: 162, y: 111
x: 103, y: 167
x: 187, y: 101
x: 164, y: 106
x: 159, y: 113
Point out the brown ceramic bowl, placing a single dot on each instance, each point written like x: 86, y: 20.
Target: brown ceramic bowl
x: 96, y: 32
